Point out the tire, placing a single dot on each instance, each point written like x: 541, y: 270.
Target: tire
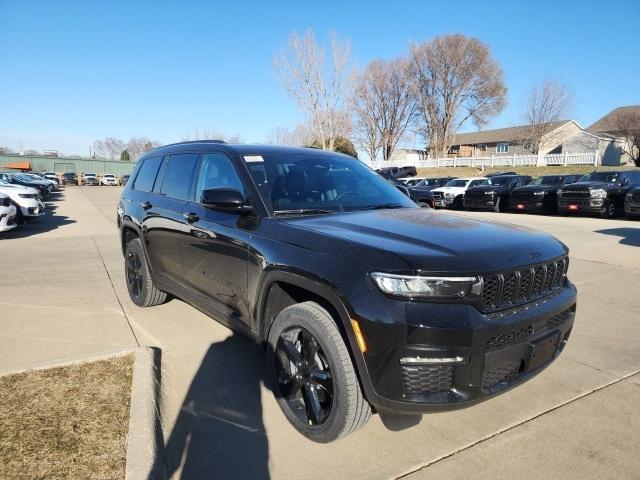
x: 138, y: 277
x: 458, y: 203
x: 342, y: 408
x: 424, y: 204
x: 609, y: 209
x: 497, y: 207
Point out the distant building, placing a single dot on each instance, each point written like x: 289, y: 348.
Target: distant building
x: 610, y: 126
x: 408, y: 155
x: 511, y: 140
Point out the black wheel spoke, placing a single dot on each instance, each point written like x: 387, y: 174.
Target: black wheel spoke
x: 322, y: 378
x: 291, y: 351
x: 312, y: 403
x: 289, y: 386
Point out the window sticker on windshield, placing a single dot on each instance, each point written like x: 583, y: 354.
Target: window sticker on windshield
x: 253, y: 158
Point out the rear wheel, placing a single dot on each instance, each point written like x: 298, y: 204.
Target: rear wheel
x: 424, y: 204
x: 139, y: 283
x: 312, y: 376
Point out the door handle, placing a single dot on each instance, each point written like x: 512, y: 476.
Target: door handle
x: 191, y: 217
x: 146, y: 205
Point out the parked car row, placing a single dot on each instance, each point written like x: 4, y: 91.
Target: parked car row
x: 20, y: 199
x: 608, y: 193
x: 90, y: 179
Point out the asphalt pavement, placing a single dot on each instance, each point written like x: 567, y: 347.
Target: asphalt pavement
x: 62, y: 295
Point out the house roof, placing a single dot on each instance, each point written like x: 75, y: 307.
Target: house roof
x: 510, y: 134
x: 608, y: 123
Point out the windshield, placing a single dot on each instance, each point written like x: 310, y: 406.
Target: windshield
x: 430, y: 182
x: 89, y: 174
x: 499, y: 180
x: 332, y: 183
x: 548, y: 180
x: 606, y: 177
x: 69, y: 175
x: 457, y: 183
x: 108, y: 176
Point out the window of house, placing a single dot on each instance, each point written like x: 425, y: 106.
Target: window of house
x: 178, y: 175
x: 482, y: 147
x: 502, y: 148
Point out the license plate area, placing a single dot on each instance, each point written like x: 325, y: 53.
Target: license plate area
x: 542, y: 350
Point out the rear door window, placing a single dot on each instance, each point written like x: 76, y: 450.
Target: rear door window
x: 147, y: 174
x: 178, y: 175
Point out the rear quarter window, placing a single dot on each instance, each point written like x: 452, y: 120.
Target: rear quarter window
x: 147, y: 174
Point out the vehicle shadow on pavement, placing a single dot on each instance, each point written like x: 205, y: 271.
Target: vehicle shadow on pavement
x: 43, y: 224
x: 219, y: 432
x: 630, y: 236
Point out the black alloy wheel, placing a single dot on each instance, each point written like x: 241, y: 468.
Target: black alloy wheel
x: 304, y: 376
x: 135, y: 280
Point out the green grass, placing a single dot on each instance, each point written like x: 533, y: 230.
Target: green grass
x: 533, y: 171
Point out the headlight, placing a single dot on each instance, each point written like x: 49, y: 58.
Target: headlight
x: 27, y: 195
x: 599, y: 193
x: 629, y: 194
x: 431, y: 287
x: 539, y: 194
x: 559, y: 192
x: 490, y: 192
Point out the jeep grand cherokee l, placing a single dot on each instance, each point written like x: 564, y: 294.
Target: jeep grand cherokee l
x: 598, y: 192
x: 540, y: 195
x: 364, y: 301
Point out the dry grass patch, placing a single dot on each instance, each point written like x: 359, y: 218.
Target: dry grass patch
x: 533, y: 171
x: 68, y: 422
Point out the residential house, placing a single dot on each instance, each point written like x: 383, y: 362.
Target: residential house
x: 611, y: 126
x: 408, y: 155
x: 511, y: 140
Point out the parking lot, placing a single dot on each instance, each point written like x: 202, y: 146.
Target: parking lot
x: 62, y: 295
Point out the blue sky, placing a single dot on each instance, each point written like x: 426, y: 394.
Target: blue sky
x: 72, y: 72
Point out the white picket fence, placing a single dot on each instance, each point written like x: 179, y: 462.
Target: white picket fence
x: 590, y: 158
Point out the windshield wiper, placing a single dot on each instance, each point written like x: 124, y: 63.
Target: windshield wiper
x: 302, y: 211
x: 384, y: 206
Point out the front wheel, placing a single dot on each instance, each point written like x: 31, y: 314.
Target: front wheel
x: 312, y: 376
x: 424, y: 204
x: 609, y: 209
x: 497, y: 207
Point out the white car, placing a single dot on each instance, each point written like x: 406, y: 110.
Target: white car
x: 26, y: 199
x: 8, y: 213
x: 108, y: 179
x: 51, y: 176
x: 89, y: 179
x: 452, y: 194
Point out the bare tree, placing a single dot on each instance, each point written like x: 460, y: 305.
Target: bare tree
x: 211, y: 134
x: 320, y: 89
x: 455, y: 80
x: 110, y: 147
x: 301, y: 135
x: 138, y: 146
x: 545, y: 104
x: 6, y: 151
x: 383, y: 105
x: 99, y: 149
x: 628, y: 127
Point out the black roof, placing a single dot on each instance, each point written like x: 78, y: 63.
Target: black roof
x: 239, y: 149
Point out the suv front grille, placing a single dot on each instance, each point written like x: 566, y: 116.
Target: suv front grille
x: 522, y: 196
x: 438, y: 195
x: 524, y: 285
x: 635, y: 197
x: 426, y: 379
x: 569, y: 193
x: 476, y: 195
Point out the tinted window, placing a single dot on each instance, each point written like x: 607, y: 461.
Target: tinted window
x: 476, y: 183
x: 176, y: 182
x: 147, y: 174
x: 327, y: 182
x: 217, y: 171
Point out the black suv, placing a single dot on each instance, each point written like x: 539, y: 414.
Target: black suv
x: 598, y: 192
x: 399, y: 172
x: 69, y: 178
x: 541, y: 194
x: 364, y: 301
x: 494, y: 193
x: 632, y: 202
x: 422, y: 196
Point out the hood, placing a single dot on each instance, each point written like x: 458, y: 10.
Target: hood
x: 448, y: 189
x: 432, y: 241
x: 538, y: 188
x: 588, y: 185
x: 14, y: 188
x: 487, y: 188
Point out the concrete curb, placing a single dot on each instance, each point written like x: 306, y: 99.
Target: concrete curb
x: 144, y: 442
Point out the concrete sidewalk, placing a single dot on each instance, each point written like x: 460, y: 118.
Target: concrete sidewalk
x: 578, y: 419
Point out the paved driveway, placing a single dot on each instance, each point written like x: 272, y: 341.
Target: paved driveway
x: 62, y: 294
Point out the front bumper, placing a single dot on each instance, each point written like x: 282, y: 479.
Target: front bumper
x: 487, y: 201
x: 586, y: 205
x: 444, y: 201
x: 32, y: 210
x: 632, y: 208
x: 8, y: 219
x: 448, y: 356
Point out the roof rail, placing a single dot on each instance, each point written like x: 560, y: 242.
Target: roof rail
x: 193, y: 141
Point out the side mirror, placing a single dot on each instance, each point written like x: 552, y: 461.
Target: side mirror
x: 225, y: 200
